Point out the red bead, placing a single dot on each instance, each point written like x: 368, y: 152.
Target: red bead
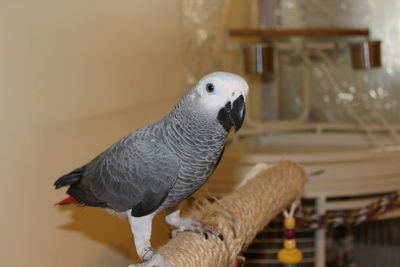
x: 289, y: 234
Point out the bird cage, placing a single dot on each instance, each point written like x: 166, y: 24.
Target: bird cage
x: 356, y: 146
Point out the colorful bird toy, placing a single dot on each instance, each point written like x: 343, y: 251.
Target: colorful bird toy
x: 290, y: 256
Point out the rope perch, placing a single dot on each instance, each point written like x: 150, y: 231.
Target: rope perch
x: 239, y: 216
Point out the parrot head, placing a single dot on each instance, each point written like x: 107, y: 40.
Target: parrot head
x: 222, y: 95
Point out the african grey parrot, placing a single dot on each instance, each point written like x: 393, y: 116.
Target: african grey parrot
x: 161, y: 164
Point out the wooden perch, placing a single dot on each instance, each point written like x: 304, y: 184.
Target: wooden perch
x: 239, y: 217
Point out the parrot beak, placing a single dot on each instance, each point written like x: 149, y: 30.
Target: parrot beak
x: 232, y: 114
x: 238, y: 112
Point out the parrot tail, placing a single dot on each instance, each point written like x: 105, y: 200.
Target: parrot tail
x: 69, y: 178
x: 66, y: 201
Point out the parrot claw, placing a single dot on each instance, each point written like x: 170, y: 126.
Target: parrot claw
x: 156, y: 260
x: 198, y: 228
x: 187, y: 224
x: 148, y: 254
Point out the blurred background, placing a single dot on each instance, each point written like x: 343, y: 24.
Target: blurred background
x: 75, y: 76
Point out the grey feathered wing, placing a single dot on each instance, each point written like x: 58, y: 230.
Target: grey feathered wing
x: 136, y: 173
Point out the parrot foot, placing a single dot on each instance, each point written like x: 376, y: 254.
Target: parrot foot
x: 156, y: 260
x: 190, y: 225
x: 197, y: 228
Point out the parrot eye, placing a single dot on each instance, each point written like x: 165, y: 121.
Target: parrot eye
x: 210, y: 87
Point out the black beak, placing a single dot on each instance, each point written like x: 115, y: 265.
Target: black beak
x: 238, y: 112
x: 233, y: 114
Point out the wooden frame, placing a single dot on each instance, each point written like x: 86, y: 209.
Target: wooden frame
x: 276, y: 33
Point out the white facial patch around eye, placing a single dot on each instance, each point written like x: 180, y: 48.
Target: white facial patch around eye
x: 227, y: 87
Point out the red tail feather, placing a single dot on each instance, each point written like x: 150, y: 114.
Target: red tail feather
x: 66, y: 201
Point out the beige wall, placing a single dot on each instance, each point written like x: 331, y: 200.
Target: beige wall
x: 75, y: 76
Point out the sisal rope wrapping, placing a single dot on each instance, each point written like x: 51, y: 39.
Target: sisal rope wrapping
x: 239, y: 216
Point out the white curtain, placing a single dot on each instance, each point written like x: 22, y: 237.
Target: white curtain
x: 203, y: 31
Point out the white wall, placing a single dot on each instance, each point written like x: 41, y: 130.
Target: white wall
x: 75, y: 76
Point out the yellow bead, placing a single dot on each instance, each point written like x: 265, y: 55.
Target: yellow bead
x: 290, y: 223
x: 292, y: 256
x: 289, y: 243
